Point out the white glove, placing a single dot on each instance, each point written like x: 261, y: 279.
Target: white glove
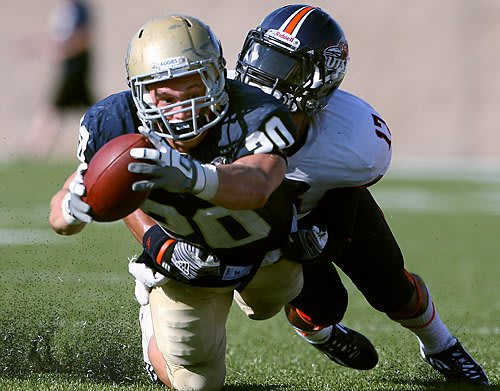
x: 74, y: 210
x: 304, y: 245
x: 145, y: 279
x: 171, y: 170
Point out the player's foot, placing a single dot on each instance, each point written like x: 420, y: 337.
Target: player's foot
x: 456, y: 364
x: 348, y: 348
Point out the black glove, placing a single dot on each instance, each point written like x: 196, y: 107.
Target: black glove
x: 177, y: 259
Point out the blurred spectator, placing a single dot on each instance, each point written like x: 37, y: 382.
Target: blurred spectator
x: 71, y: 47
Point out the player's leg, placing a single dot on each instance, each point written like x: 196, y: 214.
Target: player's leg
x: 275, y: 285
x: 375, y: 264
x: 438, y: 347
x: 270, y: 289
x: 316, y: 314
x: 187, y: 351
x: 323, y: 298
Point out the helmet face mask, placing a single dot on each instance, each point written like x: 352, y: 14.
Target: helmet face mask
x: 298, y: 54
x: 173, y: 47
x: 279, y: 72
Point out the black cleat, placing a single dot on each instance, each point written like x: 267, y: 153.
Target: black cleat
x: 457, y: 365
x: 349, y: 348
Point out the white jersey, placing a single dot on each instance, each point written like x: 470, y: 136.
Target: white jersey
x: 348, y: 144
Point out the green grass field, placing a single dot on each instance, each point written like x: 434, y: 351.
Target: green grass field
x: 68, y: 316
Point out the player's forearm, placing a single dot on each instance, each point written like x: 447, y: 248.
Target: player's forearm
x: 240, y: 188
x: 138, y: 223
x: 56, y: 218
x: 243, y: 186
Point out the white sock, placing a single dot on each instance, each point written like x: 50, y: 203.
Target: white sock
x: 316, y: 336
x: 432, y: 334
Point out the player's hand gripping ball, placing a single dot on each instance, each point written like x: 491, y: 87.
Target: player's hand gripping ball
x: 108, y: 182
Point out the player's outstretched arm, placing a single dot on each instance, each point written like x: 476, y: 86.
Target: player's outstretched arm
x: 246, y: 183
x: 68, y: 212
x: 249, y: 182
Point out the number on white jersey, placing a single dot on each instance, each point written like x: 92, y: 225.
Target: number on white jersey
x: 381, y: 129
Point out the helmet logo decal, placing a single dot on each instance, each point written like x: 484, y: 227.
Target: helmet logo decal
x: 171, y: 63
x: 283, y: 37
x: 336, y: 56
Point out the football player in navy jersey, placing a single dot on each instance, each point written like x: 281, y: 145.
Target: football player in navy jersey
x: 216, y: 174
x: 299, y: 54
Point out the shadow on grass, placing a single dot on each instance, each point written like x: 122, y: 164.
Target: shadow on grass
x: 267, y: 387
x: 441, y: 385
x: 98, y: 351
x: 90, y: 352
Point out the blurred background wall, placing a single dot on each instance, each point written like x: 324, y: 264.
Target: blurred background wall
x: 431, y: 68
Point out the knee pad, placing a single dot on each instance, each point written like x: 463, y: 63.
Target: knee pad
x: 255, y: 311
x: 418, y: 302
x: 271, y: 288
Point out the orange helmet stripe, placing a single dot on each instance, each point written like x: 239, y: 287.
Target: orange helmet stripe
x: 296, y: 19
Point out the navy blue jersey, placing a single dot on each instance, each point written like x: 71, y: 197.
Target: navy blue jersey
x: 105, y: 120
x: 255, y: 123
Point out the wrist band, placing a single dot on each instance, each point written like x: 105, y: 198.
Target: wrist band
x: 163, y: 250
x: 210, y: 182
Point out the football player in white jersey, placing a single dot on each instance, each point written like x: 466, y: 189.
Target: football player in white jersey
x: 299, y: 54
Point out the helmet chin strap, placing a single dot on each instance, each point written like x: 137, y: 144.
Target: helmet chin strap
x: 180, y: 127
x: 302, y: 121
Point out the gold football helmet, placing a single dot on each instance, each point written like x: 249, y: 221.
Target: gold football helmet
x: 169, y: 47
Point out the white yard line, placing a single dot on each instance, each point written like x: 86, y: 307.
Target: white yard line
x: 481, y: 199
x: 415, y: 199
x: 475, y: 170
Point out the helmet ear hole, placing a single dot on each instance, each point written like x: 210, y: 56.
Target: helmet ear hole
x: 298, y: 50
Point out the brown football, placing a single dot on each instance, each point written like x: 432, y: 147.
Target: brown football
x: 108, y: 182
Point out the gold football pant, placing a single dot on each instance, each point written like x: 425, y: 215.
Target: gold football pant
x: 190, y: 322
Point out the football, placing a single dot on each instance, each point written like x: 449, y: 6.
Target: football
x: 108, y: 182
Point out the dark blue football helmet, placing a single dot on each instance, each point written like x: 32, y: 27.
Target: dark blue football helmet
x: 298, y: 53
